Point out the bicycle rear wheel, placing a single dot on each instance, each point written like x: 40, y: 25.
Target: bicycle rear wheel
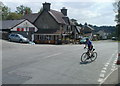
x: 84, y: 57
x: 94, y: 56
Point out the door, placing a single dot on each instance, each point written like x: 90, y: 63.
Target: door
x: 17, y: 38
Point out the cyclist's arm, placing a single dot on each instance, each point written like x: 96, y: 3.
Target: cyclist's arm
x: 85, y: 45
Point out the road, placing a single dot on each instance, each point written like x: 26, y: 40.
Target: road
x: 56, y: 64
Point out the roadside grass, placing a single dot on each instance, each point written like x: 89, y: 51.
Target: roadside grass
x: 116, y: 41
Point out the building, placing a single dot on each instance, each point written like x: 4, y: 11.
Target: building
x: 52, y: 25
x: 102, y: 34
x: 23, y: 27
x: 87, y: 31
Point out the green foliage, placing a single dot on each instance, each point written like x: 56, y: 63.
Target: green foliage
x: 0, y: 12
x: 117, y: 19
x: 23, y: 10
x: 5, y: 12
x: 117, y: 7
x: 13, y: 16
x: 75, y: 22
x: 41, y: 9
x: 118, y: 31
x: 108, y: 29
x: 8, y: 15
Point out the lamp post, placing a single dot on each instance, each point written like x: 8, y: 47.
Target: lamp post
x: 69, y: 32
x: 61, y: 29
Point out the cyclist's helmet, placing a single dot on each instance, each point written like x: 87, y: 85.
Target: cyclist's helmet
x: 87, y: 39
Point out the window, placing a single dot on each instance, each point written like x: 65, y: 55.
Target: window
x: 22, y: 29
x: 31, y: 29
x: 16, y: 36
x: 12, y: 35
x: 18, y: 29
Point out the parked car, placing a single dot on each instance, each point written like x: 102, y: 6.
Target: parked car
x: 114, y: 38
x: 83, y: 40
x: 30, y: 42
x: 17, y: 38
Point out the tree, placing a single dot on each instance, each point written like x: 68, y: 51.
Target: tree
x: 117, y: 19
x: 13, y: 16
x: 5, y: 12
x: 75, y: 22
x: 1, y: 6
x: 90, y: 25
x: 28, y: 10
x: 41, y: 9
x: 86, y: 23
x: 23, y: 10
x: 117, y: 7
x: 80, y: 25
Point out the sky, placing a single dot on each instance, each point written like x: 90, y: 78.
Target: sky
x: 95, y: 12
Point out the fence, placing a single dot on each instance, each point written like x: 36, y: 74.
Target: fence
x: 4, y: 35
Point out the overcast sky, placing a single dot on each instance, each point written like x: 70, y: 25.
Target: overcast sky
x: 95, y: 12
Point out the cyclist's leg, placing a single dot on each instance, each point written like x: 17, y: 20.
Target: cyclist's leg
x: 88, y: 52
x: 91, y: 51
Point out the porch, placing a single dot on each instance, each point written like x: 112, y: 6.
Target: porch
x: 48, y: 38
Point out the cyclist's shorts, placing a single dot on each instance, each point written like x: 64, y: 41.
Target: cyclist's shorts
x: 90, y: 48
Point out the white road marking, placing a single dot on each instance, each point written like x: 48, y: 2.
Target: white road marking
x: 100, y: 79
x: 102, y: 75
x: 113, y: 64
x: 103, y: 71
x: 112, y: 69
x: 106, y: 65
x: 107, y: 77
x: 104, y: 68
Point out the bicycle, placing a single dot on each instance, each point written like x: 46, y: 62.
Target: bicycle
x: 86, y: 56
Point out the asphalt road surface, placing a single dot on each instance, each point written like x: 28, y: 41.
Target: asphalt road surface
x: 56, y: 64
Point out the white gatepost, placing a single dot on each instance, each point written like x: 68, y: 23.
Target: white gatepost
x: 32, y: 37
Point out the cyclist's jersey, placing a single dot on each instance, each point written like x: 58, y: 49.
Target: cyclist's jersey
x: 89, y: 43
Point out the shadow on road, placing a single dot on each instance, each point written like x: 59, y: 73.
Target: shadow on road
x: 86, y: 62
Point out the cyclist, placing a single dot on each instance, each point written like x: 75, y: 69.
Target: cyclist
x: 89, y: 45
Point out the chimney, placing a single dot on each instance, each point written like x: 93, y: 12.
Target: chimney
x: 46, y: 6
x: 64, y: 11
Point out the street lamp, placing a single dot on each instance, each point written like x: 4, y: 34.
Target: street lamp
x: 69, y: 32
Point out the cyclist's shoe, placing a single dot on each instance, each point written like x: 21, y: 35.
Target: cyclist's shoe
x: 92, y: 55
x: 87, y: 53
x: 88, y: 58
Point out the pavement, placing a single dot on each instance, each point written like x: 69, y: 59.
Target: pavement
x: 112, y: 79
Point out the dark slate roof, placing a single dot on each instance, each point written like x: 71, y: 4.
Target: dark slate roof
x: 58, y: 16
x: 78, y: 28
x: 87, y: 28
x: 31, y: 17
x: 8, y: 24
x: 72, y: 23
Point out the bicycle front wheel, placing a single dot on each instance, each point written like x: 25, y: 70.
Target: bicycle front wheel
x: 94, y: 56
x: 84, y: 57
